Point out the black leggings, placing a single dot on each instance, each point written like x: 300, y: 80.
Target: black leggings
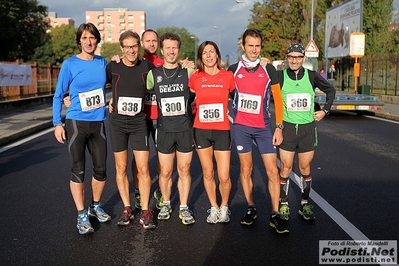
x: 91, y: 134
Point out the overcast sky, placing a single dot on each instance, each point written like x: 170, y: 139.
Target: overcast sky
x: 198, y: 16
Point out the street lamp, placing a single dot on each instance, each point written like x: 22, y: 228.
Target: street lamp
x: 195, y: 50
x: 241, y: 2
x: 220, y: 41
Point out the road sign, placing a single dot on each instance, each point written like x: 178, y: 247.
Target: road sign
x: 311, y: 49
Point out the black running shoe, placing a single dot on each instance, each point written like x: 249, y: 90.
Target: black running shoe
x: 250, y: 216
x: 279, y: 224
x: 127, y: 216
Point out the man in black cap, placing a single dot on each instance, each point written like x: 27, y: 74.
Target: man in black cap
x: 298, y: 86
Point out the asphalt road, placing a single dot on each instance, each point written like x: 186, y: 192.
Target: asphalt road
x: 355, y: 175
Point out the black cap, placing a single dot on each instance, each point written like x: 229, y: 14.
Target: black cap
x: 296, y: 47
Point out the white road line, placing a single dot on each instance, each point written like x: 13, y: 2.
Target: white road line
x: 22, y: 141
x: 382, y: 119
x: 335, y: 215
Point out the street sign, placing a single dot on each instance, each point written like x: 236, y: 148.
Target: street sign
x: 311, y: 49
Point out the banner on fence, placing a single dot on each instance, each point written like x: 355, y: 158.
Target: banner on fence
x: 15, y: 75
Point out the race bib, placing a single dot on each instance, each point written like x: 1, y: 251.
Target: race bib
x: 173, y: 106
x: 129, y: 105
x: 249, y: 103
x: 210, y: 113
x: 92, y: 99
x: 150, y: 98
x: 298, y: 102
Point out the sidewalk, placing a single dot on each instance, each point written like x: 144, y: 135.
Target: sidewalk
x: 18, y: 124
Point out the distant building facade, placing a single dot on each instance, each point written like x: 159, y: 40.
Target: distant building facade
x: 111, y: 22
x: 55, y: 21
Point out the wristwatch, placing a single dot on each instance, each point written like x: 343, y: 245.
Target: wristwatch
x: 326, y: 111
x: 280, y: 126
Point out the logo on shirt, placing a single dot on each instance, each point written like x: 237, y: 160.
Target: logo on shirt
x: 261, y: 75
x: 159, y: 79
x: 240, y: 76
x: 204, y: 79
x: 179, y: 76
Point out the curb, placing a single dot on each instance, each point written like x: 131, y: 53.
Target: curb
x: 23, y: 132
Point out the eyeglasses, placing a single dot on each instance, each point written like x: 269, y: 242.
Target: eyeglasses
x: 291, y: 57
x: 128, y: 47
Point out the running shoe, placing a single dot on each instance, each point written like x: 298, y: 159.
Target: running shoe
x: 159, y: 198
x: 186, y: 216
x: 95, y: 211
x: 164, y: 213
x: 146, y: 219
x: 250, y: 216
x: 127, y: 216
x: 137, y: 204
x: 279, y: 224
x: 284, y: 211
x: 306, y: 212
x: 224, y: 215
x: 83, y: 224
x: 213, y: 215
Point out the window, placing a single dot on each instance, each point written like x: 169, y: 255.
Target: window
x: 108, y: 16
x: 100, y: 17
x: 109, y: 31
x: 130, y: 24
x: 121, y: 16
x: 130, y: 17
x: 122, y: 24
x: 109, y: 39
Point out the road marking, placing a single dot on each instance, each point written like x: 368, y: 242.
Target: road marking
x: 22, y: 141
x: 335, y: 215
x: 382, y: 119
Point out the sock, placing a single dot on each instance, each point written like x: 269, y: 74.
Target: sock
x: 284, y: 186
x: 183, y: 207
x: 94, y: 203
x: 166, y: 202
x: 274, y: 213
x: 81, y: 212
x: 306, y: 184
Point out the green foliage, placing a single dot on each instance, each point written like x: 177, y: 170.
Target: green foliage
x: 63, y: 42
x: 110, y: 49
x: 44, y: 54
x: 23, y: 28
x: 377, y: 16
x: 188, y: 45
x: 283, y: 22
x: 280, y: 22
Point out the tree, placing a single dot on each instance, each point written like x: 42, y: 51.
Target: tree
x: 189, y: 42
x: 280, y: 22
x: 44, y: 54
x: 63, y: 41
x: 23, y: 28
x: 110, y: 49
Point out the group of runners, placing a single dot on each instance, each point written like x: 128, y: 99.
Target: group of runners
x: 154, y: 97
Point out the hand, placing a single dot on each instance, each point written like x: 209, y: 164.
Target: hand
x: 319, y: 115
x: 116, y: 58
x: 277, y: 137
x: 186, y: 63
x: 110, y: 109
x: 59, y: 133
x: 264, y: 61
x: 67, y: 101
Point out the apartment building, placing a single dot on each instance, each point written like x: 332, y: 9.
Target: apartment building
x: 111, y: 22
x: 55, y: 21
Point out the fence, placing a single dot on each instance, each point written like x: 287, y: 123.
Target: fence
x: 381, y: 73
x: 44, y: 79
